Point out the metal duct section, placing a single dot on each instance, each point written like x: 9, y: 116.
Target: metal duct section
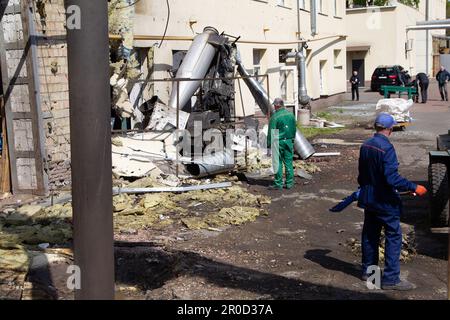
x: 212, y: 164
x: 301, y: 146
x: 313, y: 17
x: 255, y: 87
x: 303, y: 98
x: 433, y: 22
x: 300, y: 58
x: 195, y: 66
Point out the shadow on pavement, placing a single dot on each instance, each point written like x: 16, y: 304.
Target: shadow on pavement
x: 320, y: 256
x: 149, y: 268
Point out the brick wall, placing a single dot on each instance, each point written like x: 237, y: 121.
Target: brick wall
x: 53, y: 74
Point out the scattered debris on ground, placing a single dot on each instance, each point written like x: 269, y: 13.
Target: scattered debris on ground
x: 201, y: 209
x: 408, y: 244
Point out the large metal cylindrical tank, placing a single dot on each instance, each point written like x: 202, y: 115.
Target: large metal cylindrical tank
x: 195, y: 66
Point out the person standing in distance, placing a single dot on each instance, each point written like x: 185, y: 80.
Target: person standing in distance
x: 354, y: 80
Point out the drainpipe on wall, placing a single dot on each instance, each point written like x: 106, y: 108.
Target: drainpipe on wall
x: 313, y: 17
x: 303, y: 97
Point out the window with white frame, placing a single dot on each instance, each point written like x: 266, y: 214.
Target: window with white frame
x: 319, y: 6
x: 337, y: 59
x: 288, y: 78
x: 302, y: 4
x: 335, y: 8
x: 282, y: 2
x: 258, y: 55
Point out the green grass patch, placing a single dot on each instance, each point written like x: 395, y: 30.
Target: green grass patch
x: 309, y: 132
x: 324, y: 115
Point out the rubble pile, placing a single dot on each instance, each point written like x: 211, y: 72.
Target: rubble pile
x: 33, y: 224
x: 201, y: 209
x: 23, y: 230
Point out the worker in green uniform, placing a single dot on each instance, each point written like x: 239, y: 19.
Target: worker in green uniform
x: 280, y: 139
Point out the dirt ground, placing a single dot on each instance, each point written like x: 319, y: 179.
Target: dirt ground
x: 299, y: 250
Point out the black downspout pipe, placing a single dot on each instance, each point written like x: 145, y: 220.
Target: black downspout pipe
x: 90, y: 135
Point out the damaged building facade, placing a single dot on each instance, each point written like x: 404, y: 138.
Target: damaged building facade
x: 33, y: 53
x: 35, y: 108
x: 268, y: 30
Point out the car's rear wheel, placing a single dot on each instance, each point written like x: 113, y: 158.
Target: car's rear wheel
x: 439, y: 194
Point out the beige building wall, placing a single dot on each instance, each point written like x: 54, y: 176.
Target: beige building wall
x: 378, y: 35
x: 260, y: 22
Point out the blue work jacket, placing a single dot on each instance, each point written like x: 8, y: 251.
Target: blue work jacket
x: 378, y: 177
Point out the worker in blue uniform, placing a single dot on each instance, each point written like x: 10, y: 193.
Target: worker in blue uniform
x: 380, y: 185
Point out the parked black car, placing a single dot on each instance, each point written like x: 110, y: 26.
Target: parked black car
x: 386, y: 75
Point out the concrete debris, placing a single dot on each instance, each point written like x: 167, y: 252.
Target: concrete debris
x: 122, y: 103
x: 303, y: 174
x: 165, y: 118
x: 135, y: 155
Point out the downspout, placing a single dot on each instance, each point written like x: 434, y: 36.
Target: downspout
x: 303, y: 97
x: 313, y: 17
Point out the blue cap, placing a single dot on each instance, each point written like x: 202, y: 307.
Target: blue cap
x: 385, y: 120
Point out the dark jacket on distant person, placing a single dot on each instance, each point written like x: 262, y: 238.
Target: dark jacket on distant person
x: 422, y: 78
x: 354, y: 80
x: 442, y: 76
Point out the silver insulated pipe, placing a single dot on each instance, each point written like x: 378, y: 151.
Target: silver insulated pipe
x: 195, y: 66
x: 300, y: 58
x: 255, y: 87
x: 211, y: 164
x: 301, y: 146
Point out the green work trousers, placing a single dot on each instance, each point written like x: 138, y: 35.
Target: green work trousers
x: 283, y: 156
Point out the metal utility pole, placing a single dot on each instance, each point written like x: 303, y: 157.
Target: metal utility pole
x: 90, y: 134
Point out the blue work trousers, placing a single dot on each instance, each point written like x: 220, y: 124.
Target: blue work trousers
x: 373, y: 224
